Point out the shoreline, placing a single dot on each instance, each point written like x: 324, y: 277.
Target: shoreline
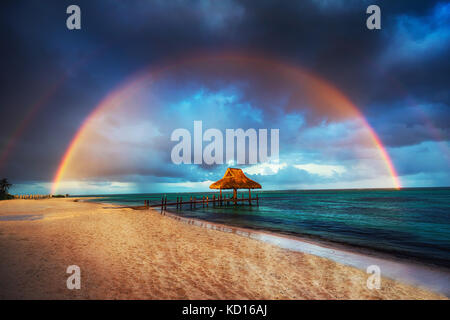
x: 389, y: 253
x: 140, y: 254
x: 409, y: 272
x: 412, y: 272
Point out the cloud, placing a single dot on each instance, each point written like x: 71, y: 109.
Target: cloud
x: 325, y: 170
x: 434, y: 156
x: 413, y: 122
x: 266, y: 168
x: 419, y: 38
x: 398, y: 77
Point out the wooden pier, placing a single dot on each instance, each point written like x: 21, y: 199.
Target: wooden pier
x: 202, y: 202
x: 233, y: 179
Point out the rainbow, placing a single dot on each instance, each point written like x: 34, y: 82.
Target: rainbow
x: 24, y: 123
x: 40, y: 104
x: 320, y: 86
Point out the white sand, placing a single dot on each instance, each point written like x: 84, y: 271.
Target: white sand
x: 129, y: 254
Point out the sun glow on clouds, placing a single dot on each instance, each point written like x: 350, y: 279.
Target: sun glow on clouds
x: 92, y: 187
x: 265, y: 168
x: 78, y: 187
x: 325, y: 170
x: 187, y: 186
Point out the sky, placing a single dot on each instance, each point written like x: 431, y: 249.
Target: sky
x: 156, y: 66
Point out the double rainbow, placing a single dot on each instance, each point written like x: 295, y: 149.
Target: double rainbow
x: 315, y: 83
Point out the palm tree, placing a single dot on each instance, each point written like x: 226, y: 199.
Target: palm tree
x: 4, y: 186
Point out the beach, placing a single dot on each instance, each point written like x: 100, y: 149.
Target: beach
x: 140, y: 254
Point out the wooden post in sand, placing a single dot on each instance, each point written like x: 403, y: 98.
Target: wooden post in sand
x: 207, y: 199
x: 195, y: 200
x: 177, y: 203
x: 191, y: 203
x: 162, y: 204
x: 181, y: 202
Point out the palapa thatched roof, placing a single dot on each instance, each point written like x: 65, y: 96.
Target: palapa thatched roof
x: 235, y: 179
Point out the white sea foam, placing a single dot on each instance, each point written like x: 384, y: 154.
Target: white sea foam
x: 430, y: 278
x: 419, y: 275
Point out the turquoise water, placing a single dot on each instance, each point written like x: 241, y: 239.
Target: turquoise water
x: 410, y: 223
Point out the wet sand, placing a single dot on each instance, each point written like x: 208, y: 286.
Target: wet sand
x: 139, y: 254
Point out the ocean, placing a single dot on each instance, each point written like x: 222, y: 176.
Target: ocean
x: 411, y: 223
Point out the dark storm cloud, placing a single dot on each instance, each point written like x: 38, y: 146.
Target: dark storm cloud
x: 380, y: 70
x: 411, y: 123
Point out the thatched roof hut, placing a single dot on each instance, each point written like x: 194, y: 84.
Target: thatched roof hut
x: 235, y: 179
